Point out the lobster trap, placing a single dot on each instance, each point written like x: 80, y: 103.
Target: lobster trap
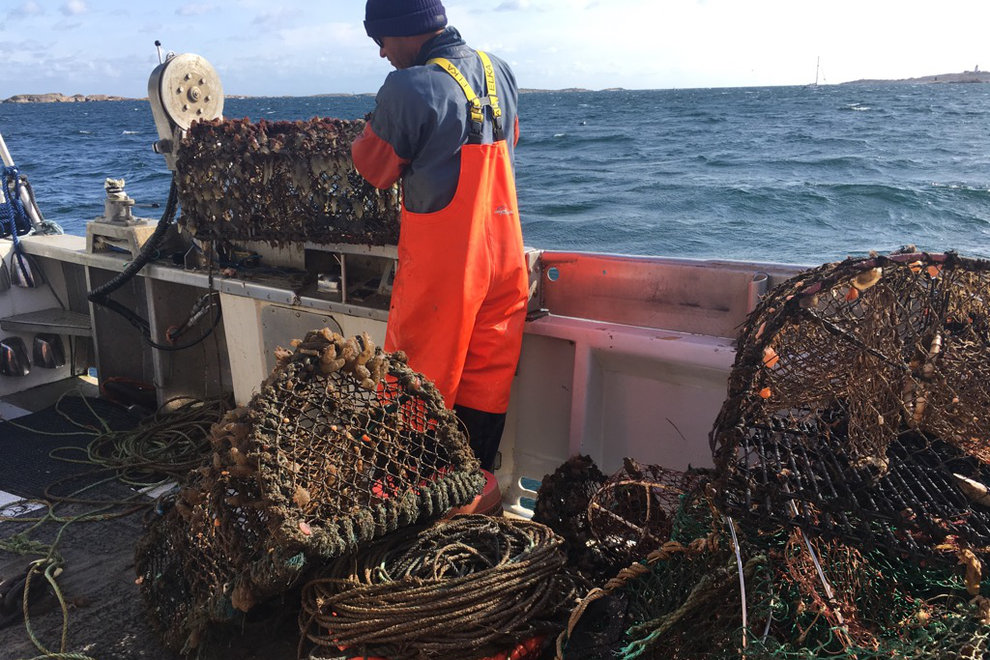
x: 607, y: 523
x: 858, y: 406
x: 281, y: 182
x: 343, y: 445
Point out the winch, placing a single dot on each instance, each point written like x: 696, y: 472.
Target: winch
x: 182, y: 89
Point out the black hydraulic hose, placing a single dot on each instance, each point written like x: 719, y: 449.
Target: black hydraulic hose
x: 101, y: 294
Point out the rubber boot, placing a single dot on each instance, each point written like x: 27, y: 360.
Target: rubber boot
x: 484, y: 431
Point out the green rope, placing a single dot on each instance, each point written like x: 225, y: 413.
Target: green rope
x: 167, y: 444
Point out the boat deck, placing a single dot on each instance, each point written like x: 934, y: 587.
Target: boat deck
x: 105, y: 616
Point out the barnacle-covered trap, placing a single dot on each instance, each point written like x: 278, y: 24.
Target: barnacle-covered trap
x: 469, y: 587
x: 562, y: 505
x: 607, y: 523
x: 281, y: 182
x: 343, y: 445
x: 858, y: 406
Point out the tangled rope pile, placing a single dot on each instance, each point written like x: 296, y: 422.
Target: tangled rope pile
x: 342, y: 445
x: 165, y: 445
x: 450, y: 590
x: 281, y: 182
x: 160, y: 448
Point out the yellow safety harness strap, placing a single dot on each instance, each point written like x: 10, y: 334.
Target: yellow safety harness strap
x: 476, y: 104
x: 490, y: 84
x: 477, y: 111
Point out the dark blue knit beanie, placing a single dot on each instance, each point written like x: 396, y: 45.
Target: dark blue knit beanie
x: 403, y: 18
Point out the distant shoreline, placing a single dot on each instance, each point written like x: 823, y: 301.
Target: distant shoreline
x: 942, y: 78
x: 57, y: 97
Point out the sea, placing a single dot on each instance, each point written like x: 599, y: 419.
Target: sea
x: 798, y: 175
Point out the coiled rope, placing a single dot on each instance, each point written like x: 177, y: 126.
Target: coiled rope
x: 165, y: 445
x: 450, y: 590
x: 13, y: 216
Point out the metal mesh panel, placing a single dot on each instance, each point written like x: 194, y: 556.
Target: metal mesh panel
x: 281, y: 182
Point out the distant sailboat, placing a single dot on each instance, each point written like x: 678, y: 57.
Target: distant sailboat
x: 818, y: 70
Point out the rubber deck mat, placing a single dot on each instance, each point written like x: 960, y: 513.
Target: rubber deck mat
x: 27, y: 466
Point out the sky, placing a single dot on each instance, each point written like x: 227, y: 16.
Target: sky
x: 304, y: 47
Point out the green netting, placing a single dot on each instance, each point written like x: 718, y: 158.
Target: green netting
x: 804, y: 598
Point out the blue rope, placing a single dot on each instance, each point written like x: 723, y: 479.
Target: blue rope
x: 14, y: 220
x: 13, y: 217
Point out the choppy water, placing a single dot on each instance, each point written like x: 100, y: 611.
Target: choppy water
x: 793, y: 174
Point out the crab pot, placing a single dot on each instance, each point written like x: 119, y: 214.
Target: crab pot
x: 281, y: 182
x: 342, y: 445
x: 858, y: 402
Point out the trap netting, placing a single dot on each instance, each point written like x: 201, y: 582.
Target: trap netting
x: 469, y: 587
x: 281, y: 182
x: 344, y: 444
x: 606, y: 523
x: 562, y: 505
x: 721, y: 590
x: 858, y: 405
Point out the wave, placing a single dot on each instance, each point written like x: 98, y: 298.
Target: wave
x: 771, y: 174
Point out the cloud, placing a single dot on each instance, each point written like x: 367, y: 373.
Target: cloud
x: 513, y: 5
x: 275, y: 20
x: 30, y: 8
x: 67, y: 25
x: 194, y: 9
x: 73, y: 8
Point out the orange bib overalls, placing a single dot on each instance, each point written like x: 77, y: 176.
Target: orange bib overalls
x: 460, y: 291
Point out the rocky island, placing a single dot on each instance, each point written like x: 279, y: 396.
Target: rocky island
x: 975, y: 76
x: 56, y: 97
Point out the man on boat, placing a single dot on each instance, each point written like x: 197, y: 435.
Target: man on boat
x: 445, y: 125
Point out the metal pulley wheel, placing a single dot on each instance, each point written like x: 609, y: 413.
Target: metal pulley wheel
x: 189, y: 89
